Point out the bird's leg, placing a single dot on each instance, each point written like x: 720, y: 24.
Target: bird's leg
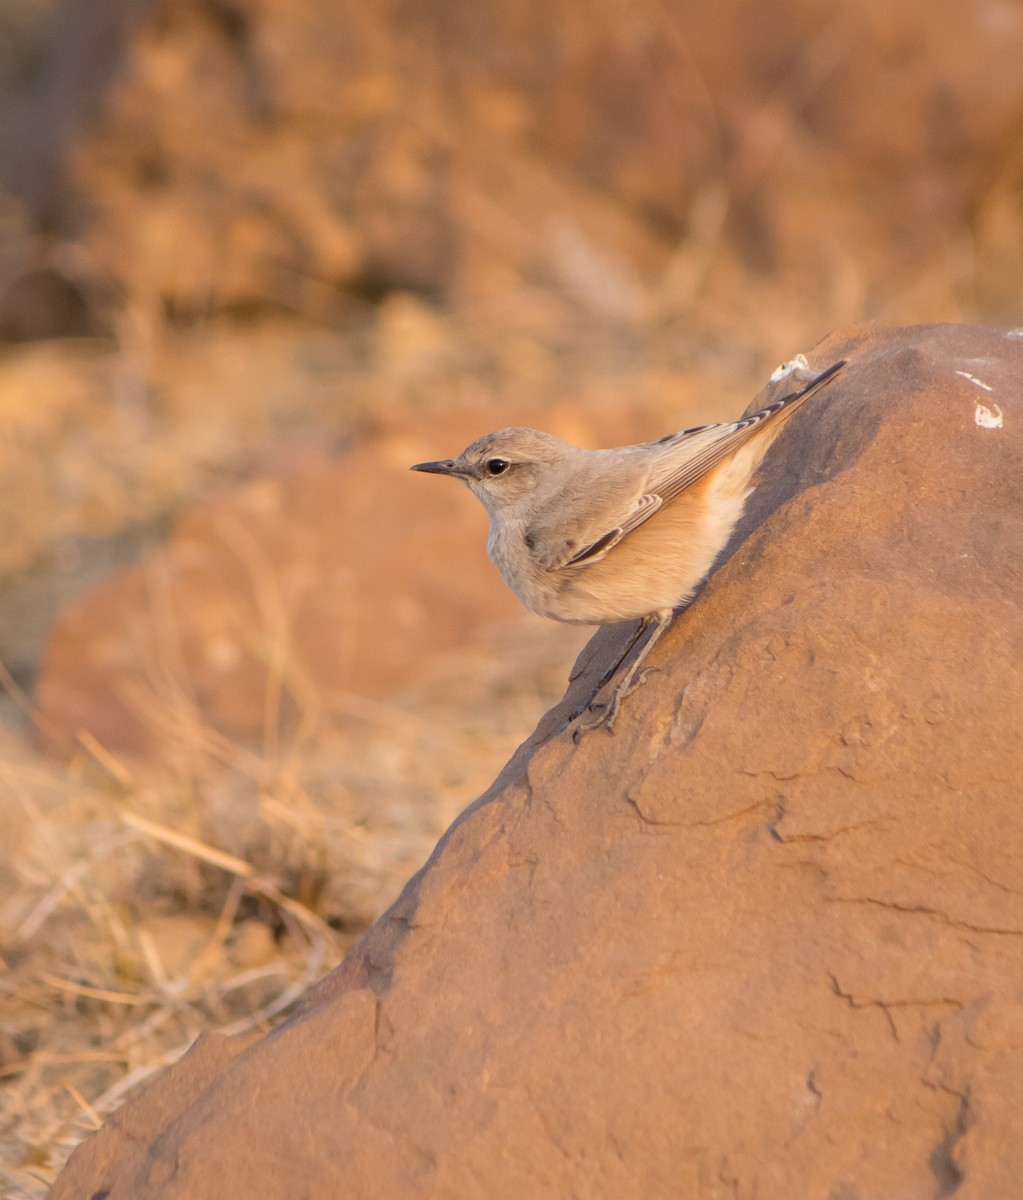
x: 659, y: 622
x: 642, y: 625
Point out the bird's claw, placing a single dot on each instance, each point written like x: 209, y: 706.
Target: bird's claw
x: 635, y: 684
x: 590, y: 719
x: 609, y: 715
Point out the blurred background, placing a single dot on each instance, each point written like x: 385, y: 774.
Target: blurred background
x: 256, y: 257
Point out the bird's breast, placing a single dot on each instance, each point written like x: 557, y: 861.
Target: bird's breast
x: 535, y: 588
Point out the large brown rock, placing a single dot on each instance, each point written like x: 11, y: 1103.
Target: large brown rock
x: 765, y: 940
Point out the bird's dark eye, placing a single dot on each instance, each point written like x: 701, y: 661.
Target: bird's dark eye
x: 497, y: 466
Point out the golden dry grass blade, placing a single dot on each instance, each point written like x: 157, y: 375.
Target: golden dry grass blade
x: 93, y: 993
x: 189, y: 845
x: 105, y: 758
x: 236, y: 866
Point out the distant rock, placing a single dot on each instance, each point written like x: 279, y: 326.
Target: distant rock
x: 271, y: 598
x: 765, y: 940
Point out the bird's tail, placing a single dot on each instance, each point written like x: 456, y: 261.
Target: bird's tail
x: 779, y: 410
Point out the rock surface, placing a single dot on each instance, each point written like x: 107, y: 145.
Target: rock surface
x: 765, y: 941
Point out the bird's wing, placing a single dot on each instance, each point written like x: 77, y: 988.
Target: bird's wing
x: 558, y: 541
x: 700, y: 450
x: 644, y: 508
x: 589, y: 545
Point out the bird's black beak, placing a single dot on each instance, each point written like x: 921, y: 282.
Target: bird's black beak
x: 444, y: 467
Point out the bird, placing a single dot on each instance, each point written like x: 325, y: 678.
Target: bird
x: 598, y: 537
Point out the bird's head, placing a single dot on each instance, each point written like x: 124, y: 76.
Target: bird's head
x: 503, y: 467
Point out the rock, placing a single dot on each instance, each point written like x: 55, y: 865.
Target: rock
x: 280, y: 592
x: 765, y: 940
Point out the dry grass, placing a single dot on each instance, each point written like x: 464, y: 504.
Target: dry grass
x: 141, y: 908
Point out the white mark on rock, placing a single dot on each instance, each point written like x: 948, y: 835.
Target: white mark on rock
x: 973, y: 379
x: 988, y: 418
x: 799, y: 363
x: 1014, y: 333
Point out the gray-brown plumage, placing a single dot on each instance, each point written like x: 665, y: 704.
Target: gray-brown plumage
x: 600, y: 536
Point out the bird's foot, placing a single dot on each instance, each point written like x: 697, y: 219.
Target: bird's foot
x: 629, y: 686
x: 607, y: 716
x: 597, y: 716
